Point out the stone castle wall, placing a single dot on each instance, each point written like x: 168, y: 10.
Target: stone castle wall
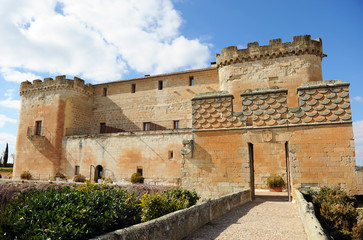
x: 318, y: 133
x: 121, y: 154
x: 267, y: 98
x: 126, y: 110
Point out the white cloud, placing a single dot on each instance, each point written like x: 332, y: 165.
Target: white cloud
x: 4, y: 119
x: 7, y: 138
x: 95, y: 40
x: 10, y: 102
x: 358, y: 139
x: 358, y: 99
x: 12, y: 75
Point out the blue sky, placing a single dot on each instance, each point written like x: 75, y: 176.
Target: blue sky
x: 101, y: 40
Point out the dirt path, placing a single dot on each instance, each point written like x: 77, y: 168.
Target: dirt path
x: 268, y: 217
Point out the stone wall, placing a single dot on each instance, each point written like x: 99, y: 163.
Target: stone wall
x: 180, y: 224
x: 126, y: 110
x: 121, y: 154
x: 316, y: 136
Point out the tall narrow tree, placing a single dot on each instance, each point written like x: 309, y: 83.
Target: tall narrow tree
x: 5, y: 157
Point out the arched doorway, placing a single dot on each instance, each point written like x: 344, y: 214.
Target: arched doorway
x: 98, y: 173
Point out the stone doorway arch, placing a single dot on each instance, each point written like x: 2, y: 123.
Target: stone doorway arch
x: 98, y: 173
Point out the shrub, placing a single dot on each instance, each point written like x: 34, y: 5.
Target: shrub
x: 275, y: 181
x: 337, y: 213
x: 159, y: 204
x: 26, y: 175
x: 59, y: 175
x: 79, y: 178
x: 68, y: 213
x: 137, y: 178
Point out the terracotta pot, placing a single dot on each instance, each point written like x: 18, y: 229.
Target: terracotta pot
x: 275, y: 189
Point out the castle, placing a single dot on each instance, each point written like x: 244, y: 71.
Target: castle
x: 255, y: 112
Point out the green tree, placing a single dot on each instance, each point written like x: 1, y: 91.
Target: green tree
x: 5, y: 157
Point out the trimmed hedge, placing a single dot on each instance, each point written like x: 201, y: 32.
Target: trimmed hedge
x: 83, y: 212
x: 157, y: 205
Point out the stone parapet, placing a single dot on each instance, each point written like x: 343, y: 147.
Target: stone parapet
x: 60, y: 82
x: 299, y: 46
x: 321, y: 102
x: 264, y: 107
x: 214, y: 110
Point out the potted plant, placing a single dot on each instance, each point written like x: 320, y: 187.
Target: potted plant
x: 26, y: 175
x: 275, y: 183
x: 59, y: 176
x: 137, y: 178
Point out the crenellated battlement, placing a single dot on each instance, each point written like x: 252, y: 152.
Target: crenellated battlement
x: 299, y: 46
x: 60, y: 82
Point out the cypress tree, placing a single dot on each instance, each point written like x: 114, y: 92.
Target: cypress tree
x: 6, y: 154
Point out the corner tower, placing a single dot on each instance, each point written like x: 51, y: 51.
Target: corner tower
x: 286, y: 65
x: 47, y: 109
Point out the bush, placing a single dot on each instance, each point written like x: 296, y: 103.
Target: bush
x: 137, y: 178
x: 337, y: 213
x: 59, y: 175
x: 68, y: 213
x: 26, y: 175
x: 275, y: 181
x: 79, y: 178
x: 157, y: 205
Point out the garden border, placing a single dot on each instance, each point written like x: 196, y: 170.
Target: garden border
x: 312, y: 226
x: 180, y: 224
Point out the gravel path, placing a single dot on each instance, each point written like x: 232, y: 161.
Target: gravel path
x: 267, y: 217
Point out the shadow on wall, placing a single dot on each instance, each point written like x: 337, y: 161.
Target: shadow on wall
x: 203, y: 159
x: 112, y: 115
x: 46, y: 148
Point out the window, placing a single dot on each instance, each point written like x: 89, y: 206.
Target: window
x: 176, y: 124
x: 171, y: 155
x: 76, y: 170
x: 38, y: 128
x: 160, y: 85
x: 191, y: 81
x: 139, y: 170
x: 102, y: 127
x: 104, y: 93
x: 133, y: 88
x: 147, y: 126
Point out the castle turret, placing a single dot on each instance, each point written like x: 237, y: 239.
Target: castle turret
x: 47, y: 108
x: 286, y: 65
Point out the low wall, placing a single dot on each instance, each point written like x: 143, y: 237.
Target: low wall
x: 312, y: 226
x: 180, y: 224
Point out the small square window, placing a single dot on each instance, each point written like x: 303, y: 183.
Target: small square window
x: 147, y: 126
x: 139, y: 170
x: 191, y: 81
x: 160, y: 87
x: 170, y: 154
x: 104, y: 93
x: 76, y: 170
x: 176, y: 124
x: 133, y: 88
